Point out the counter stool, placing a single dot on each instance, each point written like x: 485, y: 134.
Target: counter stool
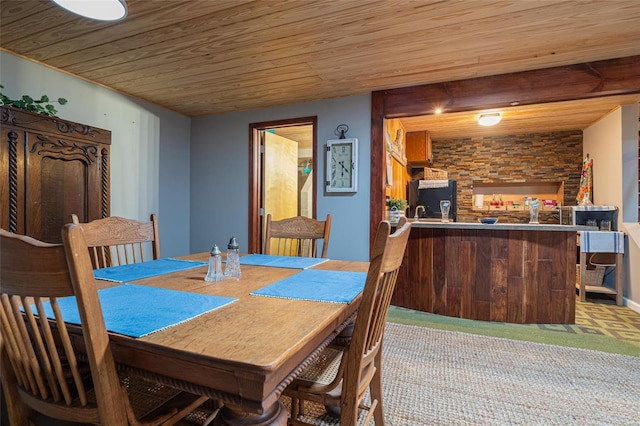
x: 605, y: 248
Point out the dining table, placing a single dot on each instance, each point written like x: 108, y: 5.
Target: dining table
x: 244, y: 352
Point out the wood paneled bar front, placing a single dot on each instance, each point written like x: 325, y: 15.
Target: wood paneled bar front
x: 515, y: 273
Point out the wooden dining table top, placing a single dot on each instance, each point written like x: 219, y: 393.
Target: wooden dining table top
x: 244, y: 353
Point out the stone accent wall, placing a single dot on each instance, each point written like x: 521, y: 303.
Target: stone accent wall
x: 540, y: 157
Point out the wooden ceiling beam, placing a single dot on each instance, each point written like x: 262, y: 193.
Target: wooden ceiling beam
x: 571, y: 82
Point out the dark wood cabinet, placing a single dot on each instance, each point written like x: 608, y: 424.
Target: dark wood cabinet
x: 418, y: 147
x: 51, y: 168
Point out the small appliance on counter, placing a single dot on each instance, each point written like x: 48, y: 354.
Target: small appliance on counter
x: 429, y: 193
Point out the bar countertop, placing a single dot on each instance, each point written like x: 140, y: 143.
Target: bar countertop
x: 421, y: 223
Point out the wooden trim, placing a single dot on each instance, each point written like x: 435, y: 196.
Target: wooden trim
x: 378, y: 166
x: 255, y: 181
x: 572, y: 82
x: 565, y: 83
x: 255, y: 173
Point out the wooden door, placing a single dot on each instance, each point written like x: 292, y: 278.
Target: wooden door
x: 280, y: 178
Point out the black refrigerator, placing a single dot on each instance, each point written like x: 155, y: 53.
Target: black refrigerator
x: 430, y: 199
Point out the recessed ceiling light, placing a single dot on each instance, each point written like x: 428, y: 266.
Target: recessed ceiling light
x: 102, y: 10
x: 489, y: 119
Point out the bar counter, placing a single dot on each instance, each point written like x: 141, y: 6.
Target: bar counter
x: 505, y: 272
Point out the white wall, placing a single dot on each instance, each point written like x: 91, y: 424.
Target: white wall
x: 149, y: 145
x: 630, y: 193
x: 220, y: 175
x: 612, y: 143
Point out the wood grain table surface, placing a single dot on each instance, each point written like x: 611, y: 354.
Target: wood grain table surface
x: 242, y: 354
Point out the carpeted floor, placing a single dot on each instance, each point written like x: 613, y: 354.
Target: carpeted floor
x: 600, y: 325
x: 437, y: 377
x: 449, y: 371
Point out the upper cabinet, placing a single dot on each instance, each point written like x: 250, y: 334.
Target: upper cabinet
x: 51, y: 168
x: 419, y: 152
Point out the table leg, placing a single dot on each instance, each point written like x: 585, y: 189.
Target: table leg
x: 230, y: 415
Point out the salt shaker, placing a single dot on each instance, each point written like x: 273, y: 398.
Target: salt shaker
x: 215, y: 266
x: 233, y: 259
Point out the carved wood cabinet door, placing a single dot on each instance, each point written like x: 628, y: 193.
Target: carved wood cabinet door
x: 51, y: 168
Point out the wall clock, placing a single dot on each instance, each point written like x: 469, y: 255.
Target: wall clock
x: 342, y: 165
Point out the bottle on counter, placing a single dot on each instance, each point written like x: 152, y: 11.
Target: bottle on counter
x: 215, y: 266
x: 233, y: 259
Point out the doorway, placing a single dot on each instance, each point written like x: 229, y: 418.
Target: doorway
x: 282, y: 173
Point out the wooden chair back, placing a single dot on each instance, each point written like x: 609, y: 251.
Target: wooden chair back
x: 364, y: 355
x: 340, y: 377
x: 41, y: 370
x: 297, y: 236
x: 38, y: 356
x: 114, y: 241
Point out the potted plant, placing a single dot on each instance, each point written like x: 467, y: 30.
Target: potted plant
x: 397, y: 208
x: 41, y: 106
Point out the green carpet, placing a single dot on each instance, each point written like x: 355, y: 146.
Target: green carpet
x: 524, y: 332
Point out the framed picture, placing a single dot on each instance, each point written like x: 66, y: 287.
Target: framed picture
x: 342, y: 165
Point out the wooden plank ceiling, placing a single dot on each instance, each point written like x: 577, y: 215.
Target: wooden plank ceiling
x: 202, y: 57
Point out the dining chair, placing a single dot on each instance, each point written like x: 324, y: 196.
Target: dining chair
x: 339, y: 379
x: 114, y: 241
x: 297, y: 236
x: 42, y: 372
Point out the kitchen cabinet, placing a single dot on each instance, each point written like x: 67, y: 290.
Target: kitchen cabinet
x: 51, y: 168
x: 418, y: 147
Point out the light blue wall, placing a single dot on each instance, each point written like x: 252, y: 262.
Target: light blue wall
x: 194, y: 173
x: 149, y: 145
x: 220, y: 175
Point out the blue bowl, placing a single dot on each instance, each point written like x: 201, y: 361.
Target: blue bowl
x: 488, y: 220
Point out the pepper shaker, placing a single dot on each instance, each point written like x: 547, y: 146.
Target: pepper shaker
x: 233, y: 259
x: 215, y: 266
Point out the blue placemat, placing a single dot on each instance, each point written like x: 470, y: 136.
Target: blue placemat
x: 281, y: 261
x: 137, y: 310
x: 318, y: 286
x: 138, y: 271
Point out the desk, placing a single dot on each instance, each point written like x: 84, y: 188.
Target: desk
x: 243, y: 354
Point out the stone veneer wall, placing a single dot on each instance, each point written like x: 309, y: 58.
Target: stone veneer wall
x: 541, y: 157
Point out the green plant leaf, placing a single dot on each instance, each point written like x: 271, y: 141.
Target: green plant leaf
x: 27, y: 103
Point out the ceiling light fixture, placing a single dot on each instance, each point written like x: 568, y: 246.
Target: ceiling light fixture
x: 489, y: 119
x: 102, y: 10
